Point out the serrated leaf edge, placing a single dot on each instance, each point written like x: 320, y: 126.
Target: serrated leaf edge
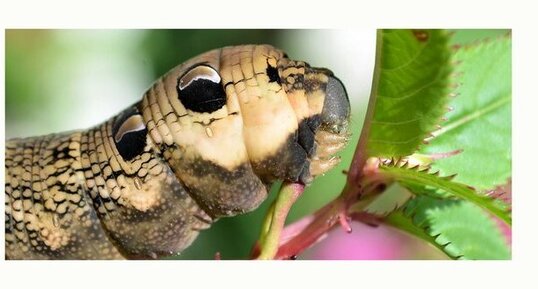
x: 488, y: 203
x: 425, y: 229
x: 450, y: 68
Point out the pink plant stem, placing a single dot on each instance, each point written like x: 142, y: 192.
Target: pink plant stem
x: 292, y: 230
x: 324, y: 220
x: 307, y: 231
x: 344, y: 223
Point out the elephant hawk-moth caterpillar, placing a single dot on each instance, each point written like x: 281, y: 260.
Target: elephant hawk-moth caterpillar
x: 206, y: 141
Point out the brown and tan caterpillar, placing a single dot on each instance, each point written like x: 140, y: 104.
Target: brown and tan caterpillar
x: 206, y: 141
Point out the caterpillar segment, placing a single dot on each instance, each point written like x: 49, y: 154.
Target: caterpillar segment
x: 206, y: 141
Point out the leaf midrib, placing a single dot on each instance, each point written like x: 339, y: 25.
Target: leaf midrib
x: 457, y: 189
x: 468, y: 118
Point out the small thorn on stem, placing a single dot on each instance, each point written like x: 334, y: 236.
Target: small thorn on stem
x: 217, y: 256
x: 344, y: 222
x: 345, y: 172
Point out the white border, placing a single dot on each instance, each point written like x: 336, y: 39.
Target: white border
x: 307, y: 14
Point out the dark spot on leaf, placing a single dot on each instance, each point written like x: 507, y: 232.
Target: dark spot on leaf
x: 421, y: 35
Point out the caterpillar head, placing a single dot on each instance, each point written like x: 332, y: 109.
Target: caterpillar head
x: 233, y: 120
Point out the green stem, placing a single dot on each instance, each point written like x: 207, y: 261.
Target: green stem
x: 275, y: 219
x: 267, y: 223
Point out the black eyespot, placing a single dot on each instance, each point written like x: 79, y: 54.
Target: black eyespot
x: 200, y: 89
x: 129, y: 133
x: 272, y: 73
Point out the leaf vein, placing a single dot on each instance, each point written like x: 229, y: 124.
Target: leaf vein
x: 397, y: 122
x: 470, y: 117
x: 408, y: 63
x: 429, y: 84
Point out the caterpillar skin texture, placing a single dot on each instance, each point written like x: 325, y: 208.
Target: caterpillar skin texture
x: 206, y: 141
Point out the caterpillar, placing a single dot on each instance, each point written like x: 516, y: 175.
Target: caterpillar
x: 206, y: 141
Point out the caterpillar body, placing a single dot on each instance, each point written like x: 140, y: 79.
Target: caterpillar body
x: 206, y: 141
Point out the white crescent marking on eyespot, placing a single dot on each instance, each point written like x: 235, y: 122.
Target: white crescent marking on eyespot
x: 133, y: 123
x: 199, y: 72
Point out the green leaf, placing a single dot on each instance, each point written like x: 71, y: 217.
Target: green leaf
x: 394, y: 197
x: 469, y: 36
x: 410, y: 90
x: 398, y: 219
x: 428, y: 191
x: 422, y: 178
x: 480, y: 123
x: 459, y: 228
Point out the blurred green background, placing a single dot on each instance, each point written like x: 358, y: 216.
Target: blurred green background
x: 59, y: 80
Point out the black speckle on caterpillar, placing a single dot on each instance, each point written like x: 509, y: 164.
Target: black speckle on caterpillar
x: 205, y: 142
